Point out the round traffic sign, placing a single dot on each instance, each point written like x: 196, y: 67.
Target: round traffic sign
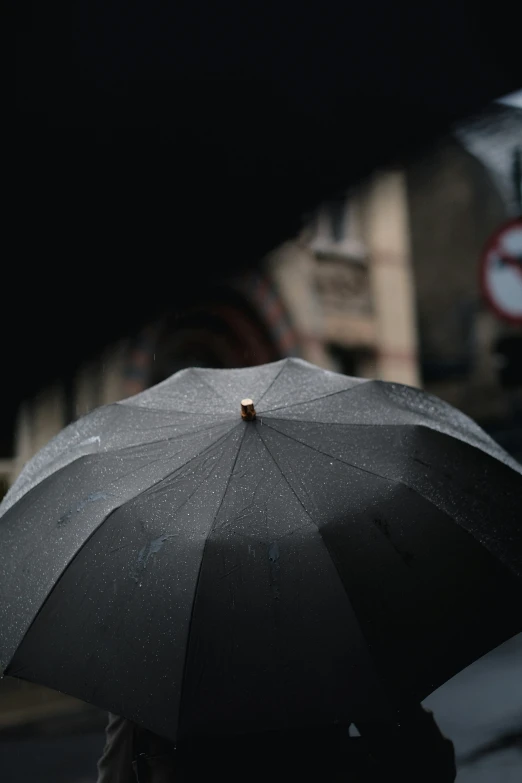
x: 501, y: 271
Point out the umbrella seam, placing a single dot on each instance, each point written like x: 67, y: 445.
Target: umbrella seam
x: 366, y: 424
x: 331, y: 456
x: 456, y: 436
x: 315, y: 399
x: 119, y: 451
x: 198, y: 578
x: 189, y: 433
x: 478, y: 446
x: 180, y: 467
x: 307, y: 512
x: 170, y: 475
x: 376, y: 475
x: 124, y: 404
x: 200, y: 377
x: 281, y: 370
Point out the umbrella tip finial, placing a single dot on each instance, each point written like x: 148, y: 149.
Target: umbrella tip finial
x: 248, y: 412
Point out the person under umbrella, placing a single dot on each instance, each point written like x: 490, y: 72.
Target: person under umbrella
x: 410, y: 749
x: 214, y: 567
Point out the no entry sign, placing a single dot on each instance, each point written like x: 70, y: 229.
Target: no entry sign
x: 501, y: 271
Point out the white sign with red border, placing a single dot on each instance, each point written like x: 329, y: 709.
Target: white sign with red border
x: 501, y: 272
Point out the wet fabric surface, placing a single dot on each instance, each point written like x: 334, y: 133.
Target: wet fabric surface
x: 355, y: 545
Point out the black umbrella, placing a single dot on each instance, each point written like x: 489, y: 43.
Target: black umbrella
x: 203, y: 565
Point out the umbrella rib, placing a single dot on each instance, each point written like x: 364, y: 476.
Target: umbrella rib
x: 337, y: 424
x: 198, y: 578
x: 286, y: 480
x: 314, y: 399
x: 196, y: 490
x: 404, y: 424
x: 187, y: 434
x: 199, y: 454
x: 353, y: 423
x: 158, y: 459
x: 481, y: 447
x: 135, y: 446
x: 165, y: 425
x: 228, y: 481
x: 330, y: 456
x: 282, y: 368
x: 208, y: 385
x: 161, y: 410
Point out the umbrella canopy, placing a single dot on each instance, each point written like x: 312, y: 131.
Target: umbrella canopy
x: 204, y: 563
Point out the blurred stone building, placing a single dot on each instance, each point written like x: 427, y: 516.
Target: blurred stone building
x: 340, y: 295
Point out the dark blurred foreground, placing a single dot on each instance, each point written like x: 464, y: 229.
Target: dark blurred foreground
x: 479, y: 709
